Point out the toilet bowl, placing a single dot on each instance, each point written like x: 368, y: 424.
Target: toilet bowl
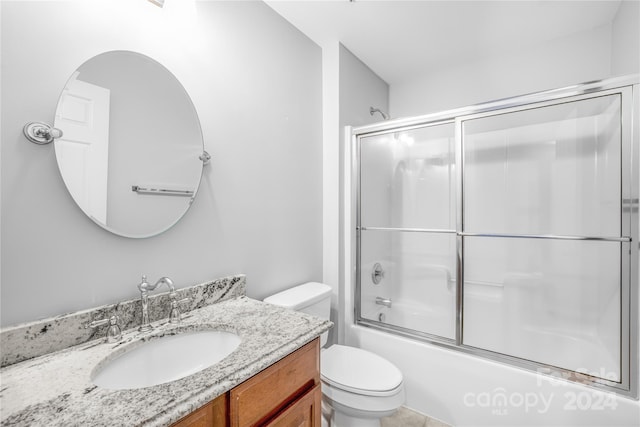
x: 358, y: 386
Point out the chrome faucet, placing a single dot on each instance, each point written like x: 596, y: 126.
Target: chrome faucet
x: 144, y: 288
x: 383, y: 301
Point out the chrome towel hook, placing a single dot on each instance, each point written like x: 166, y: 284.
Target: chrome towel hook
x: 41, y: 133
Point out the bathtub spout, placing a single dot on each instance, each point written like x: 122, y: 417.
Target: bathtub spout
x: 383, y: 301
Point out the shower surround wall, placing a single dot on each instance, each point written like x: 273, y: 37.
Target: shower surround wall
x: 458, y: 388
x: 257, y: 86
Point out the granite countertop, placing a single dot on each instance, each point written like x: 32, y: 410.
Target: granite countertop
x: 56, y: 390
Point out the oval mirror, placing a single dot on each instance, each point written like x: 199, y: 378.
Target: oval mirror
x: 131, y: 145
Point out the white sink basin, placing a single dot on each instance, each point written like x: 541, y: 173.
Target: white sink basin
x: 165, y: 359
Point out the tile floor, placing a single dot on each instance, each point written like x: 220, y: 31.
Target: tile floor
x: 405, y: 417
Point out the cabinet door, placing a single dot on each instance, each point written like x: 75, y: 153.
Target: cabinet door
x: 213, y: 414
x: 267, y: 394
x: 304, y: 412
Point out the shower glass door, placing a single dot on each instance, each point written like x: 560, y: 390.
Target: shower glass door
x: 508, y: 230
x: 408, y: 236
x: 542, y: 234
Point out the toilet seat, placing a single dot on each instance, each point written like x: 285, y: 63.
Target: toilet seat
x: 358, y: 371
x: 361, y: 406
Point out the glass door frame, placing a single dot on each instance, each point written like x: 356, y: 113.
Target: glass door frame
x: 359, y: 228
x: 628, y: 89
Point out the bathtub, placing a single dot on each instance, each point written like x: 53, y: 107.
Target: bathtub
x: 465, y: 390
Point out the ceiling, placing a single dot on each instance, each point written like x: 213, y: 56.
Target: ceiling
x: 400, y: 40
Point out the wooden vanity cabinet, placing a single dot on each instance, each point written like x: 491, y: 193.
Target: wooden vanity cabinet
x: 212, y: 414
x: 285, y: 394
x: 263, y: 397
x: 304, y: 412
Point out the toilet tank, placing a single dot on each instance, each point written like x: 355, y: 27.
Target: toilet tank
x: 312, y: 298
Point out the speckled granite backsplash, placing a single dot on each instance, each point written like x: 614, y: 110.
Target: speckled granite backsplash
x: 26, y: 341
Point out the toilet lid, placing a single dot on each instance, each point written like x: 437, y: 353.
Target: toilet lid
x: 357, y: 370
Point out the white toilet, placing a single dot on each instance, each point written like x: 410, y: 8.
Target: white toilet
x: 358, y: 387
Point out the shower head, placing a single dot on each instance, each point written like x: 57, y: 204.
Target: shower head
x: 384, y: 115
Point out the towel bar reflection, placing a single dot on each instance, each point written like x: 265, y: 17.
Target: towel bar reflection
x: 161, y: 191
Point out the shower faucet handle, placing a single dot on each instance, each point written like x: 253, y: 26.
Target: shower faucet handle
x: 377, y: 273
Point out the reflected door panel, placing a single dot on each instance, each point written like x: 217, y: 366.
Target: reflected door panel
x: 83, y: 151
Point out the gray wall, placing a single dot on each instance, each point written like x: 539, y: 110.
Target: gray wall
x: 359, y: 89
x: 625, y: 40
x: 256, y: 84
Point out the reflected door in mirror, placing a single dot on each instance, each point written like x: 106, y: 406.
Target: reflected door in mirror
x: 83, y: 151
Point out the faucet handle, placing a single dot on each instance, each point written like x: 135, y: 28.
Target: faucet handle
x: 144, y: 285
x: 176, y: 315
x: 114, y: 333
x: 96, y: 323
